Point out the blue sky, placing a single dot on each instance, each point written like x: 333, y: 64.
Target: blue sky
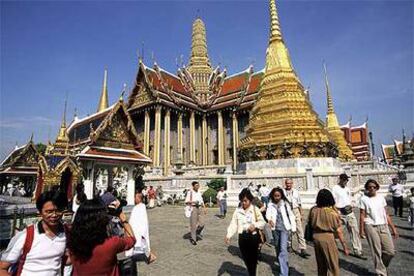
x: 49, y: 49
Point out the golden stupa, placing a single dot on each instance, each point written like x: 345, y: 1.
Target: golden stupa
x: 332, y: 125
x: 282, y: 123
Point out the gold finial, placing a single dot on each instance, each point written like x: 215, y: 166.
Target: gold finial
x: 275, y: 33
x: 62, y: 131
x: 328, y: 92
x: 103, y: 102
x: 199, y: 54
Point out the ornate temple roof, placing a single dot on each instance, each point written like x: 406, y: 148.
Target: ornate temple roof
x: 21, y: 160
x: 113, y: 155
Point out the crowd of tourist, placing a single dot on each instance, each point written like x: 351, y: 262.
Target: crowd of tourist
x: 100, y: 229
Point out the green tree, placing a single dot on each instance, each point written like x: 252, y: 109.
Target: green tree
x: 215, y: 184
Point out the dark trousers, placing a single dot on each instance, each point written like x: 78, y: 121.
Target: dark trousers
x: 249, y: 247
x: 398, y: 205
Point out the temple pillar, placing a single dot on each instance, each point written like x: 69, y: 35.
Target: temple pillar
x: 235, y: 139
x: 204, y: 141
x: 180, y: 137
x: 220, y: 139
x: 167, y: 153
x: 192, y: 138
x: 157, y: 137
x: 147, y: 123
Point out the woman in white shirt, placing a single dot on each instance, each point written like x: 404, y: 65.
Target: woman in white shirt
x: 246, y: 221
x: 282, y: 220
x: 375, y: 223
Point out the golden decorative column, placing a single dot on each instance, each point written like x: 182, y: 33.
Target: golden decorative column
x: 220, y: 138
x: 167, y: 153
x: 157, y: 137
x: 180, y: 136
x: 204, y: 141
x: 192, y: 138
x: 146, y: 132
x: 235, y: 139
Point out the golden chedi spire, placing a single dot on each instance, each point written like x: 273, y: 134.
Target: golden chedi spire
x: 332, y: 124
x: 283, y: 118
x: 60, y: 147
x: 103, y: 101
x: 199, y: 65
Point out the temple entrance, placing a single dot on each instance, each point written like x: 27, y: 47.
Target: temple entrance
x: 66, y: 183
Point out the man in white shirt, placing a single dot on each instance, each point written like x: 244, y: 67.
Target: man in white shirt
x: 195, y: 200
x: 343, y: 201
x: 397, y: 191
x: 222, y: 202
x: 264, y: 194
x: 139, y: 224
x: 45, y: 242
x: 295, y: 202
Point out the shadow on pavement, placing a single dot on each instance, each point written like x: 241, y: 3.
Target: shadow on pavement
x: 404, y: 227
x: 406, y: 237
x: 354, y: 268
x: 407, y: 252
x: 231, y: 269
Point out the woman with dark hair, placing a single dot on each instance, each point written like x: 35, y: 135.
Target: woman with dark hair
x: 325, y: 222
x: 92, y: 250
x: 246, y: 221
x: 79, y: 197
x: 374, y: 222
x: 282, y: 220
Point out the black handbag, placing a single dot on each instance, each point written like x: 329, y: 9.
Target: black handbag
x: 127, y: 266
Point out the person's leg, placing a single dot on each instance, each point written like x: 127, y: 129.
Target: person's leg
x: 193, y: 223
x: 320, y: 258
x: 283, y: 253
x: 299, y: 230
x: 400, y: 206
x: 395, y: 204
x: 374, y: 242
x: 354, y: 233
x: 224, y: 207
x: 387, y: 245
x: 220, y: 207
x: 276, y: 239
x: 200, y: 221
x: 412, y: 216
x: 248, y: 248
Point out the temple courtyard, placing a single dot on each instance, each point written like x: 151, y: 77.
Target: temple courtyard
x: 211, y: 256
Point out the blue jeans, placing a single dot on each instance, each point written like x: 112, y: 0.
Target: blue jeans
x: 223, y: 207
x: 280, y: 239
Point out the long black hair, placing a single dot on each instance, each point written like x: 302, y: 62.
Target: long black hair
x: 89, y: 229
x: 279, y: 190
x: 80, y: 193
x: 325, y: 199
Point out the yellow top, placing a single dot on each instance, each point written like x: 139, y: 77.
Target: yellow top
x: 103, y: 101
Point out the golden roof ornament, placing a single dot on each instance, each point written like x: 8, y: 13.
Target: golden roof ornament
x: 103, y: 101
x: 199, y: 65
x: 283, y: 115
x: 332, y: 124
x: 62, y: 141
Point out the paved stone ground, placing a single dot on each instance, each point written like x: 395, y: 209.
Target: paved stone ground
x: 177, y: 256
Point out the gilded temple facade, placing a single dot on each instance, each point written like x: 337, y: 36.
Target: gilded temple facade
x: 199, y: 117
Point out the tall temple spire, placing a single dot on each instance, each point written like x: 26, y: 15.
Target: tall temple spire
x: 103, y: 101
x: 282, y: 116
x: 62, y: 131
x: 275, y: 33
x: 328, y: 92
x: 199, y: 65
x: 60, y: 147
x: 332, y: 124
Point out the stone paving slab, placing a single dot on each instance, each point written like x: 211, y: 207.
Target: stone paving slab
x: 177, y: 256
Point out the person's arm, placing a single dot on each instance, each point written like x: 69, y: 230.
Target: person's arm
x: 232, y: 229
x: 13, y: 252
x: 4, y: 267
x: 361, y: 223
x: 342, y: 240
x: 394, y: 232
x: 270, y: 216
x: 127, y: 227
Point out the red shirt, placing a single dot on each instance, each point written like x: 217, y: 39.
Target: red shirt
x: 103, y: 260
x: 151, y: 194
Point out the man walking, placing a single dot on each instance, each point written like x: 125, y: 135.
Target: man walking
x: 397, y: 191
x: 222, y: 202
x: 343, y: 201
x: 296, y: 204
x: 195, y: 200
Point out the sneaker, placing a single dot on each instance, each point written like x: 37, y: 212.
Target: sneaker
x: 193, y: 242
